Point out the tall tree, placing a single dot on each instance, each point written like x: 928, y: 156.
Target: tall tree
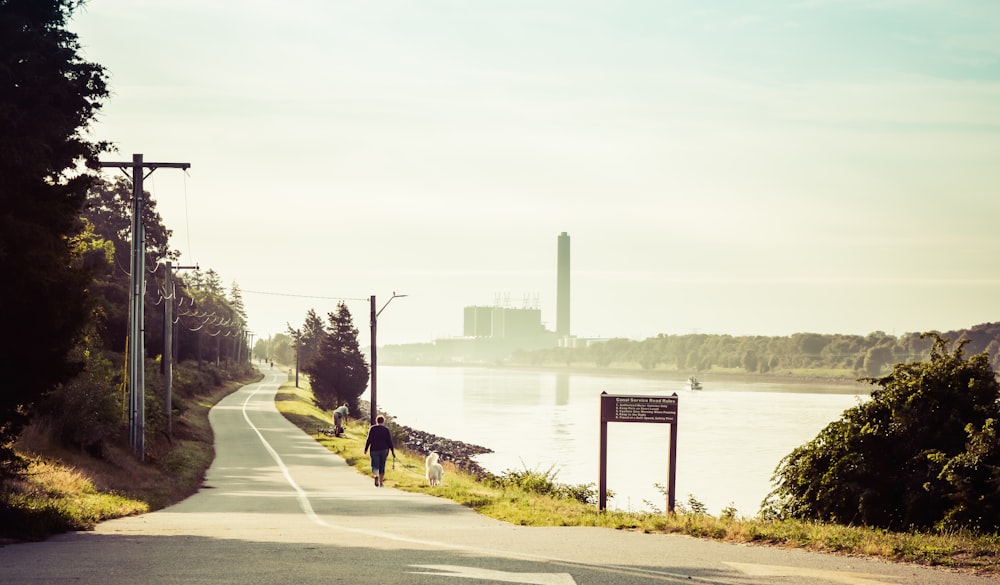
x: 236, y: 300
x: 308, y: 339
x: 213, y: 284
x: 339, y: 371
x: 109, y: 210
x: 48, y: 97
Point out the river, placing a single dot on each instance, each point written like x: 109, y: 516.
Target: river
x: 731, y: 435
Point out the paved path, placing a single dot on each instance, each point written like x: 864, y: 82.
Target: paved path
x: 279, y: 508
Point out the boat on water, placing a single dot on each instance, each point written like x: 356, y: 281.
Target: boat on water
x: 693, y: 383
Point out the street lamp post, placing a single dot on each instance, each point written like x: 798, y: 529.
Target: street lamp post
x: 373, y: 323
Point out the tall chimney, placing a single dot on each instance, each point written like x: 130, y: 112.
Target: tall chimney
x: 562, y: 287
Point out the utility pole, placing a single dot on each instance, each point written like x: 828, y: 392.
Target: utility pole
x: 374, y: 320
x: 136, y: 311
x: 170, y: 295
x: 168, y: 348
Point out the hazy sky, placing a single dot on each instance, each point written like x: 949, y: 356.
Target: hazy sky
x: 741, y: 167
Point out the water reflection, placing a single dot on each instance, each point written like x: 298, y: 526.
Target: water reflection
x: 562, y: 388
x: 730, y: 435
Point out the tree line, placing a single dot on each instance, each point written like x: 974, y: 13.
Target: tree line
x: 846, y: 355
x: 65, y: 248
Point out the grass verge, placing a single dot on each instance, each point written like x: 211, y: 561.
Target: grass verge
x: 513, y: 503
x: 65, y: 489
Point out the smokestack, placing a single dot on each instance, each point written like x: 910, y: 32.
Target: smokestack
x: 562, y: 287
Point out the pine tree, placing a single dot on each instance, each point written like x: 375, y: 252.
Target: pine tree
x: 339, y: 371
x: 308, y: 339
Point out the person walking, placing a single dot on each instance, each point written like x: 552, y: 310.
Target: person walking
x: 380, y: 442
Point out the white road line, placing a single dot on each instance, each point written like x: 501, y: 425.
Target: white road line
x: 754, y: 570
x: 490, y: 575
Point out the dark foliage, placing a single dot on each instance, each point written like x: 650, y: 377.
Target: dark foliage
x: 338, y: 371
x: 85, y: 412
x: 923, y: 452
x: 307, y: 340
x: 48, y: 96
x: 109, y: 211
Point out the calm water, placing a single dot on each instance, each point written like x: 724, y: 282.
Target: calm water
x: 730, y: 435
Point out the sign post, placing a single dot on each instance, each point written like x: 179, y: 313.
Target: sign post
x: 642, y: 409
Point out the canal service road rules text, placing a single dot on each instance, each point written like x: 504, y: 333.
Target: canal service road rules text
x: 647, y: 409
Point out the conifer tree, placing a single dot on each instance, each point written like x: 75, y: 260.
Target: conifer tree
x: 339, y: 370
x: 308, y: 339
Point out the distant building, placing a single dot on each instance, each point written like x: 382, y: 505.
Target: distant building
x: 562, y: 286
x: 515, y: 328
x: 492, y: 333
x: 478, y: 322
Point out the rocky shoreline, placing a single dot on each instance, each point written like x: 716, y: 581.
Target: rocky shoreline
x: 458, y: 453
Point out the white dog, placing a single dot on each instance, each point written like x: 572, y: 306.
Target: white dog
x: 435, y: 472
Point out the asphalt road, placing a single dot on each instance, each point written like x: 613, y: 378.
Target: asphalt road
x: 279, y: 508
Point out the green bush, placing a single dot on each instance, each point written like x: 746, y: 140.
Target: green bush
x: 86, y: 411
x: 543, y: 483
x: 922, y: 453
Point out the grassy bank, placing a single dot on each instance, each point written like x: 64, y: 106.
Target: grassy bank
x: 523, y: 497
x: 65, y: 489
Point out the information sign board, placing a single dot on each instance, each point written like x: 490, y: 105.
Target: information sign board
x: 644, y: 409
x: 638, y: 409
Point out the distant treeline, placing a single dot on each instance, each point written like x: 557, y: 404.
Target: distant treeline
x: 869, y: 355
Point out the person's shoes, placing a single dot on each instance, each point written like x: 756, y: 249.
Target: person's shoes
x: 376, y: 482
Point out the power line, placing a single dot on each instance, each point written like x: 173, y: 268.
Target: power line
x: 279, y: 294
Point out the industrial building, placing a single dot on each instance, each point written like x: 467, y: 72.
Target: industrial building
x: 492, y: 333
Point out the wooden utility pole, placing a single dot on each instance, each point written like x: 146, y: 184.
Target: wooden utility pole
x: 169, y: 296
x: 168, y: 348
x: 373, y: 411
x: 137, y: 287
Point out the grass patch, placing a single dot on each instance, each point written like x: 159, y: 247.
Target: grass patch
x: 516, y: 497
x: 50, y: 497
x: 66, y: 489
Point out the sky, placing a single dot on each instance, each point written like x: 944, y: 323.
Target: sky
x: 735, y: 167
